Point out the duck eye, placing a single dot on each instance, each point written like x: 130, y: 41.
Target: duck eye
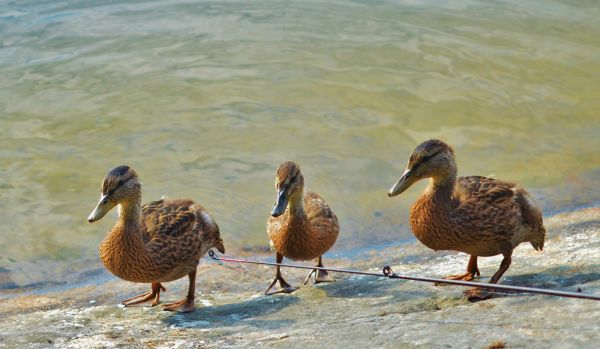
x: 428, y: 157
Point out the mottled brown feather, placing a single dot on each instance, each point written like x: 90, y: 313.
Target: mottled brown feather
x: 159, y: 242
x: 477, y: 215
x: 308, y: 228
x: 304, y: 238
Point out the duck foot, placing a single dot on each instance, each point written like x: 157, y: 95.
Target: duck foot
x: 185, y: 305
x: 284, y: 287
x: 320, y: 276
x: 154, y: 293
x: 477, y: 294
x: 462, y: 277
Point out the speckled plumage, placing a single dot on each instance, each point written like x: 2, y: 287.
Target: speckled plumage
x: 477, y: 215
x: 307, y: 228
x: 308, y: 236
x: 159, y: 242
x: 167, y: 246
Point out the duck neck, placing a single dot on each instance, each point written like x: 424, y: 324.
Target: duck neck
x: 296, y: 205
x: 124, y: 244
x: 440, y: 188
x: 130, y: 214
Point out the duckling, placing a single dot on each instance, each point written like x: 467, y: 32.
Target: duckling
x: 301, y: 226
x: 476, y: 215
x: 159, y: 242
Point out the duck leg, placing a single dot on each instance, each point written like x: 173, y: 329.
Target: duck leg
x: 284, y: 287
x: 477, y: 294
x: 320, y: 275
x: 472, y: 270
x: 154, y: 293
x: 187, y: 304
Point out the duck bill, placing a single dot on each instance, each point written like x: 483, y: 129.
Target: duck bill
x: 403, y: 183
x: 281, y: 203
x: 101, y: 209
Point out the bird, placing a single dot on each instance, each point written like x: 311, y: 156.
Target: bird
x: 301, y: 226
x: 158, y: 242
x: 477, y: 215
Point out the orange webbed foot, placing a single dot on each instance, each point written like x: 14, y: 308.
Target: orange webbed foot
x: 462, y: 277
x: 185, y: 305
x: 153, y: 295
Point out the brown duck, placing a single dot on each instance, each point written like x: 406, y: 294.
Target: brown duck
x: 159, y: 242
x: 476, y: 215
x: 302, y: 226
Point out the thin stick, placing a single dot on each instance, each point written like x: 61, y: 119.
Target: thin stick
x: 388, y: 273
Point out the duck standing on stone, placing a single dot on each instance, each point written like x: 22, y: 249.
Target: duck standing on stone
x: 476, y: 215
x: 301, y: 226
x: 159, y: 242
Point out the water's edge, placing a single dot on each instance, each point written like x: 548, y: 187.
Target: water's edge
x: 99, y: 276
x: 352, y: 311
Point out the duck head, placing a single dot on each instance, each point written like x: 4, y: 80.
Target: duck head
x: 119, y: 185
x: 289, y: 184
x: 212, y: 235
x: 431, y: 159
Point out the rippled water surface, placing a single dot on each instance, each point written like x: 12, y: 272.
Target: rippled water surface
x: 205, y: 99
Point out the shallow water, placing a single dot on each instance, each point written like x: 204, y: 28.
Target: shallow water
x: 205, y: 100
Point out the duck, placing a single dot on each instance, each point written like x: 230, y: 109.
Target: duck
x: 477, y: 215
x: 301, y: 226
x: 158, y: 242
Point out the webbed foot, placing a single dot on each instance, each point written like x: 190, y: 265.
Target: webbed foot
x: 284, y: 287
x: 320, y: 276
x: 462, y: 277
x: 153, y: 294
x: 185, y: 305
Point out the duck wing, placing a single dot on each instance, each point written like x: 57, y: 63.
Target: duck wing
x: 486, y: 208
x: 173, y: 236
x: 168, y: 219
x: 485, y: 189
x: 320, y: 216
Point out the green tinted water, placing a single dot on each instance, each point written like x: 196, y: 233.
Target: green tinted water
x: 205, y: 100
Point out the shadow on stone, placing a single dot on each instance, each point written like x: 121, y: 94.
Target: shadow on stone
x: 557, y: 278
x: 560, y: 276
x: 353, y: 287
x: 397, y: 296
x: 243, y: 313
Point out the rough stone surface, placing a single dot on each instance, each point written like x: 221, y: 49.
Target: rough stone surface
x: 354, y: 311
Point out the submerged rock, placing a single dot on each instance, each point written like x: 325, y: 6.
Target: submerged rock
x: 355, y: 311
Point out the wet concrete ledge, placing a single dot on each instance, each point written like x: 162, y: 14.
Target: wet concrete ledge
x: 355, y: 311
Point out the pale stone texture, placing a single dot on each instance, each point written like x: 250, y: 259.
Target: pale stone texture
x: 353, y: 312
